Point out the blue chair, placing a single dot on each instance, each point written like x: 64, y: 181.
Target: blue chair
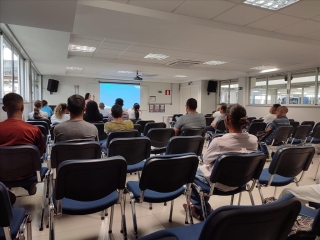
x: 159, y: 138
x: 314, y: 137
x: 287, y: 163
x: 255, y: 127
x: 89, y: 186
x: 21, y: 167
x: 193, y: 132
x: 265, y: 222
x: 185, y: 144
x: 152, y: 125
x: 234, y: 170
x: 143, y: 124
x: 220, y: 128
x: 300, y: 134
x: 12, y: 220
x: 163, y: 179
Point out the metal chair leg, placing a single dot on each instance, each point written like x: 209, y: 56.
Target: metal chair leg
x: 232, y: 197
x: 171, y: 209
x: 106, y: 213
x: 44, y: 197
x: 315, y: 176
x: 203, y: 205
x: 240, y: 194
x: 165, y: 204
x: 29, y: 229
x: 150, y: 206
x: 103, y: 213
x: 275, y: 192
x: 251, y: 198
x: 111, y: 219
x: 260, y: 192
x: 51, y: 222
x: 134, y: 217
x: 123, y: 218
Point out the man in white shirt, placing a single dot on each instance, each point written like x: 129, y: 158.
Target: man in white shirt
x: 221, y: 115
x: 104, y: 112
x: 270, y: 117
x: 305, y: 194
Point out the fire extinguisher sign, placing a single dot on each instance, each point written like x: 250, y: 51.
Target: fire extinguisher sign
x: 167, y: 92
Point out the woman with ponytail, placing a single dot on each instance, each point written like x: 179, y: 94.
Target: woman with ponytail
x: 233, y: 141
x: 37, y: 113
x: 60, y: 114
x: 134, y: 112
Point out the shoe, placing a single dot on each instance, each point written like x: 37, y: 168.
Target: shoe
x: 194, y: 211
x: 32, y: 189
x: 12, y: 197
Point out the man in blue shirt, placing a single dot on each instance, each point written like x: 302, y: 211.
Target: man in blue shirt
x: 46, y: 109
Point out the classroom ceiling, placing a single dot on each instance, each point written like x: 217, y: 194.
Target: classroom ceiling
x: 124, y: 31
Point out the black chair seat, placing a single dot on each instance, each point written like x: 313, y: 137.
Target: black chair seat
x: 308, y: 212
x: 206, y: 188
x: 153, y: 196
x: 314, y: 205
x: 28, y: 181
x: 277, y: 179
x: 158, y: 150
x: 73, y: 207
x: 135, y: 167
x: 18, y: 214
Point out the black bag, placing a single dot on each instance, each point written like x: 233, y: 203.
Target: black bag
x: 262, y: 134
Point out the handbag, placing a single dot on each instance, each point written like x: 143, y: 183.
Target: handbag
x: 262, y: 134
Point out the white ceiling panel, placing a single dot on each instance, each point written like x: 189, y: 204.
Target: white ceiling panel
x: 161, y: 5
x: 133, y: 54
x: 317, y: 18
x: 132, y: 59
x: 115, y: 46
x: 85, y: 42
x: 82, y: 54
x: 106, y: 56
x: 242, y: 15
x: 86, y: 37
x: 108, y: 51
x: 303, y: 9
x: 301, y: 28
x: 120, y: 1
x: 142, y: 49
x: 274, y: 22
x: 314, y: 35
x: 204, y: 9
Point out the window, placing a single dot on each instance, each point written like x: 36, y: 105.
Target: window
x: 258, y: 90
x: 229, y: 91
x: 303, y: 88
x: 7, y: 68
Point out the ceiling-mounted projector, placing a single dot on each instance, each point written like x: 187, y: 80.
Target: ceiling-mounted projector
x: 138, y: 77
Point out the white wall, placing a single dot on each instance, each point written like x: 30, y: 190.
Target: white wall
x: 67, y: 88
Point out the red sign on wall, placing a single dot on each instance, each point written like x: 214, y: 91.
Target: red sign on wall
x: 167, y: 92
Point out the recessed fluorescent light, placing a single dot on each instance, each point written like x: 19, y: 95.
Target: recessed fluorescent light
x: 156, y: 56
x: 180, y: 76
x: 79, y: 48
x: 271, y: 4
x: 270, y: 70
x: 214, y: 62
x: 263, y: 68
x: 75, y: 68
x: 255, y: 91
x: 126, y: 72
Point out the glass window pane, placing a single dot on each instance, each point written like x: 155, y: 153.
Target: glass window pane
x: 234, y: 87
x: 16, y: 72
x: 303, y: 88
x: 258, y: 90
x: 224, y: 92
x: 277, y: 90
x: 7, y: 68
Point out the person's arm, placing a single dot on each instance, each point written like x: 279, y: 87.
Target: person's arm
x: 212, y: 152
x: 214, y: 122
x: 270, y: 127
x: 178, y: 126
x: 40, y: 142
x: 176, y: 131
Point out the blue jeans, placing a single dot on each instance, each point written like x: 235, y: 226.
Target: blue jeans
x: 263, y: 148
x: 195, y: 198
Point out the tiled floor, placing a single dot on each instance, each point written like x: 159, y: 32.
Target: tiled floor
x: 91, y: 227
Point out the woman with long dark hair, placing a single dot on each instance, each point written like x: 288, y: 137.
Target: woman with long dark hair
x: 87, y: 98
x: 92, y: 113
x: 134, y: 112
x: 37, y: 113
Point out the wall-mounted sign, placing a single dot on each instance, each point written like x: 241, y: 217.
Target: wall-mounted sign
x: 240, y: 88
x: 167, y: 92
x: 157, y: 108
x: 152, y: 98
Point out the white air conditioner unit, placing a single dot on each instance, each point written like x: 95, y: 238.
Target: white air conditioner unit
x: 183, y: 63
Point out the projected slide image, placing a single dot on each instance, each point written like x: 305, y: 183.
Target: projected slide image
x: 109, y: 92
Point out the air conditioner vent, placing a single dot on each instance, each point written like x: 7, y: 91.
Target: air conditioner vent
x: 183, y: 63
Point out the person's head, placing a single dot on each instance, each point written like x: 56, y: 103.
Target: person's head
x: 101, y: 105
x: 44, y: 103
x: 236, y: 118
x: 92, y: 109
x: 191, y: 105
x: 87, y: 96
x: 274, y: 108
x: 76, y: 105
x: 60, y: 109
x: 219, y: 106
x: 119, y: 101
x: 223, y: 109
x: 116, y: 111
x: 136, y: 108
x: 13, y: 105
x: 281, y: 111
x: 36, y: 110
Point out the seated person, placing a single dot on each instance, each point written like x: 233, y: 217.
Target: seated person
x: 45, y: 108
x: 37, y: 113
x: 14, y: 131
x: 134, y: 112
x: 233, y: 141
x: 117, y: 124
x: 217, y: 113
x: 104, y: 112
x: 92, y: 113
x: 270, y: 117
x: 305, y: 194
x: 76, y: 128
x: 60, y: 114
x: 125, y: 115
x: 223, y: 109
x: 192, y: 120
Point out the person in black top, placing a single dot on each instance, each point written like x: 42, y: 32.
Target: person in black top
x: 92, y: 113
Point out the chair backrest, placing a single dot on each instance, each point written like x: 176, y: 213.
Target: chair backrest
x: 185, y: 144
x: 193, y: 132
x: 143, y: 124
x: 90, y: 180
x: 63, y: 151
x: 251, y: 118
x: 291, y: 120
x: 282, y: 134
x: 121, y: 134
x: 290, y: 161
x: 52, y: 131
x: 257, y: 120
x: 39, y: 122
x: 255, y: 127
x: 294, y: 124
x: 100, y: 126
x: 43, y: 130
x: 311, y: 123
x: 134, y: 150
x: 301, y: 132
x: 316, y: 132
x: 317, y: 125
x: 5, y: 207
x: 151, y: 125
x: 167, y: 173
x: 237, y: 169
x: 209, y: 120
x: 105, y: 119
x: 175, y: 117
x: 18, y: 162
x: 159, y: 137
x: 316, y: 224
x: 220, y: 126
x: 263, y: 222
x: 137, y: 127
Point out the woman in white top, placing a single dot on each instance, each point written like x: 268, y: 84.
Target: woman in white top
x: 134, y: 112
x: 37, y: 113
x: 270, y: 117
x: 60, y: 114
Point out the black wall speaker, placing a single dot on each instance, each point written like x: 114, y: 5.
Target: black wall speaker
x: 52, y: 85
x: 212, y: 86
